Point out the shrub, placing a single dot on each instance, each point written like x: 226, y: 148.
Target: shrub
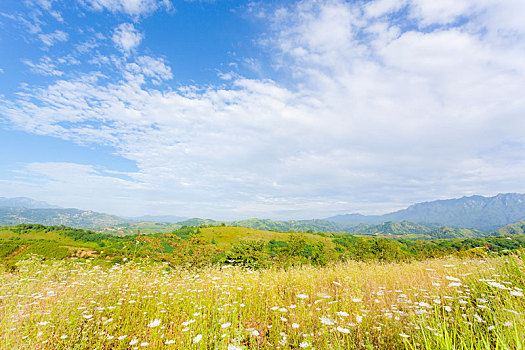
x: 248, y: 253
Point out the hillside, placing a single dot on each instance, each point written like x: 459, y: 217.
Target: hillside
x: 66, y: 217
x: 445, y: 232
x: 291, y: 225
x: 225, y: 236
x: 517, y: 228
x: 478, y: 212
x: 394, y: 228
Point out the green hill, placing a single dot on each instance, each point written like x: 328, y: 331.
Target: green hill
x: 290, y: 225
x: 454, y: 232
x: 225, y: 236
x: 223, y: 244
x: 517, y: 228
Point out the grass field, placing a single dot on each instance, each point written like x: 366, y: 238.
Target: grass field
x: 435, y: 304
x: 225, y: 236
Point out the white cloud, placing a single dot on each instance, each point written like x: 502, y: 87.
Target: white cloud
x: 370, y: 113
x: 126, y: 37
x: 44, y: 67
x: 154, y: 68
x: 51, y: 39
x: 129, y: 7
x: 430, y: 12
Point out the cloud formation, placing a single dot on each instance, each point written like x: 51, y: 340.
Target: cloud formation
x: 381, y: 104
x: 51, y: 39
x: 129, y: 7
x: 126, y: 37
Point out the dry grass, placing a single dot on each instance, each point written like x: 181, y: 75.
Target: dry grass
x: 437, y: 304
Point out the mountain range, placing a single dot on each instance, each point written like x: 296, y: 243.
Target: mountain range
x: 25, y: 202
x: 466, y: 217
x: 477, y: 212
x: 49, y: 216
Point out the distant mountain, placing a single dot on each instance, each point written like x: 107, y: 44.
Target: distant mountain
x: 67, y: 217
x: 273, y: 225
x: 350, y: 220
x: 198, y: 222
x: 172, y: 219
x: 25, y: 202
x: 478, y: 212
x: 394, y: 228
x: 405, y: 228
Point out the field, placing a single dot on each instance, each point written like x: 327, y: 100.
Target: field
x: 225, y: 236
x: 449, y: 303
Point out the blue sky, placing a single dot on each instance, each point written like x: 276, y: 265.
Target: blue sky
x: 234, y: 109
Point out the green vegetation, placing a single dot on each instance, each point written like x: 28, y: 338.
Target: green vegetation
x: 512, y: 229
x: 140, y: 228
x: 197, y: 247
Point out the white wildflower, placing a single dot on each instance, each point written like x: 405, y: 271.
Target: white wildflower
x: 343, y: 330
x: 327, y: 321
x: 197, y: 338
x: 497, y: 285
x: 188, y: 323
x: 154, y: 323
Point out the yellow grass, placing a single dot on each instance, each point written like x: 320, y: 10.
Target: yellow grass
x: 225, y: 236
x: 438, y: 304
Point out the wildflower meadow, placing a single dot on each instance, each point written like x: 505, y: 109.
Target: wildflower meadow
x: 446, y: 303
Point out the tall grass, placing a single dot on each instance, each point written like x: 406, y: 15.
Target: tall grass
x: 437, y: 304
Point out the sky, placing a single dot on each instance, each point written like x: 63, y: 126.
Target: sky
x: 276, y: 109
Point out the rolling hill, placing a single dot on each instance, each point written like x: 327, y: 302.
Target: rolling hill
x: 517, y: 228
